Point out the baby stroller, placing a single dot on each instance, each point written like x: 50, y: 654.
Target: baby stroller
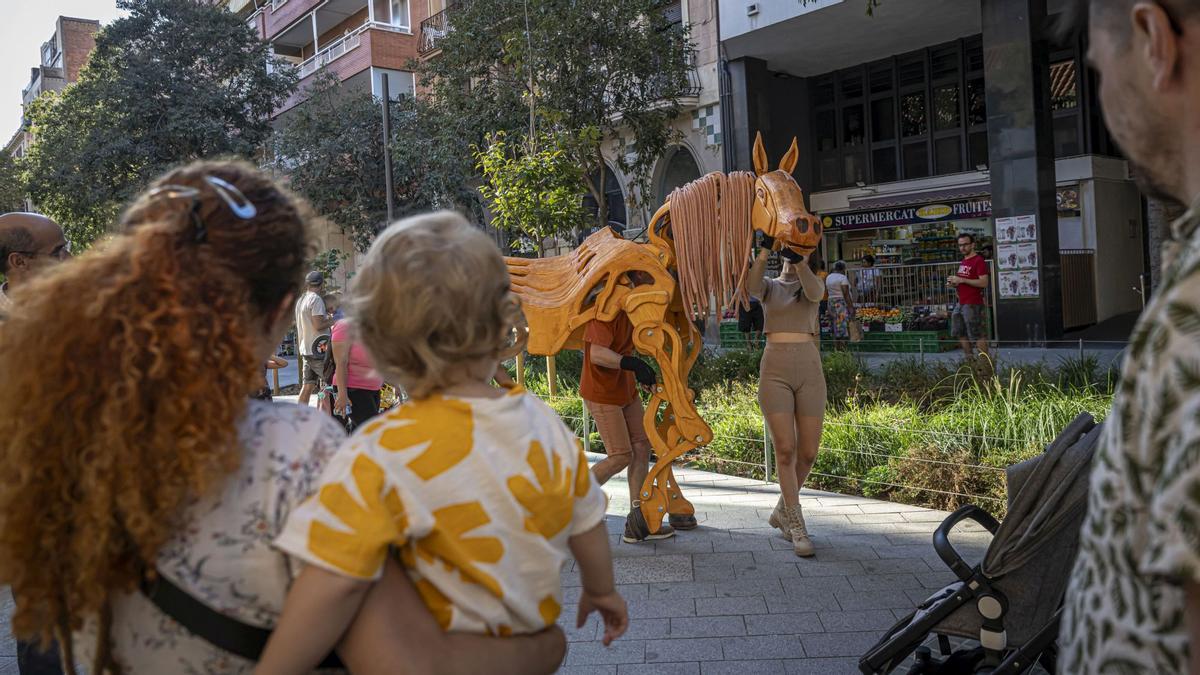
x: 1007, y: 609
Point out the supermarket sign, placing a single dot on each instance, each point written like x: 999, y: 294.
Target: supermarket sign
x: 909, y: 215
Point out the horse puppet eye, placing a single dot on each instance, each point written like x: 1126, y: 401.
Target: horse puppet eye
x: 762, y: 195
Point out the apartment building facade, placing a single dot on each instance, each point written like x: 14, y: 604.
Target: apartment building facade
x: 59, y: 61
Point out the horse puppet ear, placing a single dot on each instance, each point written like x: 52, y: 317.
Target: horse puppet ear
x: 760, y: 156
x: 788, y: 163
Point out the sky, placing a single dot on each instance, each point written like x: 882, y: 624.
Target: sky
x: 25, y: 26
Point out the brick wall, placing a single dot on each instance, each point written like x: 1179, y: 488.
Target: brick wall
x: 390, y: 49
x: 353, y: 21
x: 78, y: 40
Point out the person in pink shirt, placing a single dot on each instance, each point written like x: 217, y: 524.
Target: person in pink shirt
x: 357, y: 382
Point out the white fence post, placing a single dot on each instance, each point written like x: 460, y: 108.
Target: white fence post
x: 767, y: 452
x: 587, y: 430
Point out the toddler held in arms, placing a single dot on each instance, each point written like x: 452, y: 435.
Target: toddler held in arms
x: 480, y: 490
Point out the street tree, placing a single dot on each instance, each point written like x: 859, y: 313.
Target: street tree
x: 331, y: 148
x: 170, y: 82
x: 12, y: 185
x: 616, y: 66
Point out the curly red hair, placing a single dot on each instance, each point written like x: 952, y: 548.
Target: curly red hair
x: 124, y: 374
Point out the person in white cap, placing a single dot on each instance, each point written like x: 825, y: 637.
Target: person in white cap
x: 312, y: 321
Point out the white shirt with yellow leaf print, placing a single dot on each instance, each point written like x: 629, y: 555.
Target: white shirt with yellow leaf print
x: 479, y: 496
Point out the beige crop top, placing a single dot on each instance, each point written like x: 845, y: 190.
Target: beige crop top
x: 783, y: 312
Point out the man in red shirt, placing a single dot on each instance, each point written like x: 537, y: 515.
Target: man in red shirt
x: 967, y: 321
x: 608, y: 390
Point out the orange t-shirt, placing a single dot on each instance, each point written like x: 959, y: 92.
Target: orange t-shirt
x: 607, y: 385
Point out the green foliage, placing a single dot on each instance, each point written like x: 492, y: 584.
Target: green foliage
x: 12, y: 185
x: 613, y: 66
x: 332, y: 149
x: 172, y: 81
x: 533, y: 188
x: 328, y: 262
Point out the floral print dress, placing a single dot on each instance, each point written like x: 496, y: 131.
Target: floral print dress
x: 222, y: 555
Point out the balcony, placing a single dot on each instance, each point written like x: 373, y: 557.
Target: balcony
x: 333, y: 52
x: 371, y: 44
x: 433, y: 30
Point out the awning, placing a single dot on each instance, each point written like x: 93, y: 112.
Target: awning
x: 923, y: 197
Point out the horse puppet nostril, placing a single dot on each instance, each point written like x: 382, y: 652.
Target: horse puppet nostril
x: 802, y: 225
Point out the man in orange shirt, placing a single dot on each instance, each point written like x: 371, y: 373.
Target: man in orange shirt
x: 608, y: 390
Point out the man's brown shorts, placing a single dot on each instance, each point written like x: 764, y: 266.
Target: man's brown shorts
x: 620, y: 427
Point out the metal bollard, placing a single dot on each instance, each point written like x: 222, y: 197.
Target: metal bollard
x: 767, y: 452
x: 587, y: 430
x: 1081, y: 350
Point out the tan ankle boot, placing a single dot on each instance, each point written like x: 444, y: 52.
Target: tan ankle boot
x: 801, y: 544
x: 778, y: 519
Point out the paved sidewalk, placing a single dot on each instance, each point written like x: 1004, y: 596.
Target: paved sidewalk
x: 731, y: 597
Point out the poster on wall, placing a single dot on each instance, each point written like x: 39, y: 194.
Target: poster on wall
x: 1017, y: 256
x: 1020, y: 284
x: 1016, y: 228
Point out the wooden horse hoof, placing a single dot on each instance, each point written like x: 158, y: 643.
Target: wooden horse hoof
x: 683, y: 522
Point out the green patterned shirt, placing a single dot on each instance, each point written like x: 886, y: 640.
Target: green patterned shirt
x: 1141, y: 539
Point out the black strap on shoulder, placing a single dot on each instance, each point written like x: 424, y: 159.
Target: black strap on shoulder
x: 206, y: 623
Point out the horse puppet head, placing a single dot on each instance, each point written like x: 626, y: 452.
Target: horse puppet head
x: 779, y: 209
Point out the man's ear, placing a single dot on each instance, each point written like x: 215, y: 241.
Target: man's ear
x: 1160, y: 43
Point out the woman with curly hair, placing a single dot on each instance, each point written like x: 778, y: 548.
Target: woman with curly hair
x: 134, y: 451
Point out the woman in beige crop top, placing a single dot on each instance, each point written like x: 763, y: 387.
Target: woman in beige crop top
x: 791, y: 385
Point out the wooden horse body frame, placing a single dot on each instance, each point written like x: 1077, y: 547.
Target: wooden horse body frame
x: 560, y: 295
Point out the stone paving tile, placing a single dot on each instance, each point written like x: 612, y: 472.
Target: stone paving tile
x: 905, y: 551
x: 707, y: 627
x: 756, y: 571
x: 587, y: 670
x: 888, y: 599
x: 653, y: 569
x: 894, y: 507
x: 714, y: 573
x: 623, y: 550
x: 806, y: 584
x: 763, y: 647
x: 826, y: 540
x: 681, y: 589
x: 858, y: 620
x: 727, y: 558
x: 633, y: 592
x: 792, y: 623
x: 596, y: 654
x: 936, y: 580
x: 838, y: 644
x: 659, y: 669
x: 803, y: 601
x: 924, y: 516
x: 8, y: 666
x: 742, y: 668
x: 730, y: 606
x: 746, y: 542
x: 840, y: 510
x: 847, y: 666
x: 688, y: 649
x: 645, y: 629
x: 875, y: 518
x: 590, y: 630
x: 682, y: 542
x: 772, y: 667
x: 896, y: 566
x: 662, y: 608
x: 837, y: 553
x: 884, y: 582
x: 817, y: 568
x: 743, y: 587
x: 919, y: 595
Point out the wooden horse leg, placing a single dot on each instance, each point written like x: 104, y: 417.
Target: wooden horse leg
x: 683, y: 427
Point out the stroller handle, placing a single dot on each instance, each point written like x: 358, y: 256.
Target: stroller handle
x: 941, y: 538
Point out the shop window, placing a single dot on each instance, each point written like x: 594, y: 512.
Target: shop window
x: 883, y: 165
x: 916, y: 159
x: 829, y: 172
x: 880, y: 78
x: 976, y: 102
x: 883, y: 119
x: 913, y: 120
x: 854, y: 128
x: 977, y: 149
x: 947, y: 153
x: 1064, y: 90
x: 856, y: 169
x: 945, y: 108
x: 1066, y: 136
x: 826, y: 131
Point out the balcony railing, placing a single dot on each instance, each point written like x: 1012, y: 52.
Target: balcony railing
x: 333, y: 52
x: 433, y: 30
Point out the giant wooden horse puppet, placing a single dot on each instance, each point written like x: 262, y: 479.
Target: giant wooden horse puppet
x: 698, y: 246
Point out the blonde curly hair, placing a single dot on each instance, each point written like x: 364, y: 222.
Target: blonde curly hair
x: 125, y: 374
x: 434, y: 293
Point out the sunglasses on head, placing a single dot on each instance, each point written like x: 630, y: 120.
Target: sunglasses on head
x: 226, y: 191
